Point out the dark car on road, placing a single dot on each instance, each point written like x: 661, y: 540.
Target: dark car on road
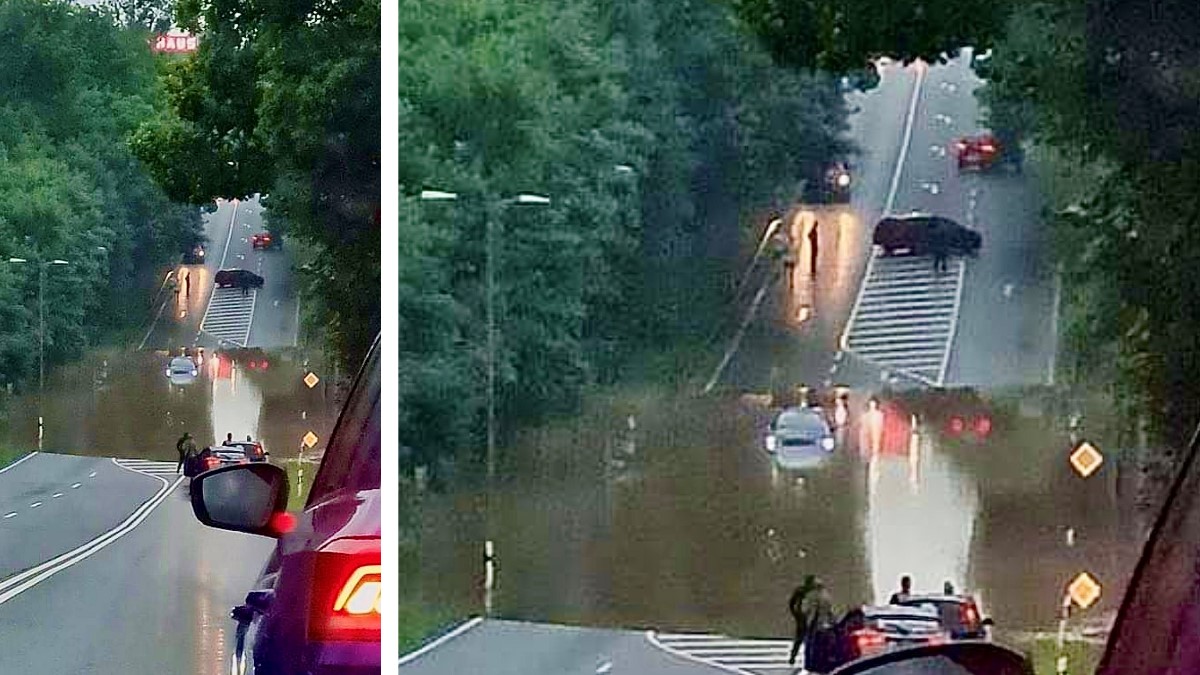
x: 918, y: 234
x: 960, y: 615
x: 238, y: 279
x: 870, y: 630
x: 194, y: 255
x: 315, y: 607
x: 215, y: 457
x: 800, y: 438
x: 989, y: 150
x: 266, y: 240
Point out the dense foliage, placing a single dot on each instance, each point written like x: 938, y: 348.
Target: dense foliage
x: 656, y: 130
x: 1112, y: 89
x: 74, y: 84
x: 283, y: 99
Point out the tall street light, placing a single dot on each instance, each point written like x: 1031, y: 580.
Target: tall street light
x: 493, y: 209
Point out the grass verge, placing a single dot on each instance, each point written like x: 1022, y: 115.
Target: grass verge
x: 1082, y: 657
x: 10, y: 455
x: 296, y: 499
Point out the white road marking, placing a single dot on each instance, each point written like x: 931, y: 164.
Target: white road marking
x: 229, y: 315
x: 92, y: 474
x: 35, y: 505
x: 1008, y: 290
x: 19, y: 583
x: 733, y: 655
x: 458, y: 630
x: 11, y: 514
x: 57, y: 495
x: 75, y: 486
x: 229, y: 237
x: 908, y: 127
x: 604, y: 668
x: 150, y: 467
x: 18, y: 461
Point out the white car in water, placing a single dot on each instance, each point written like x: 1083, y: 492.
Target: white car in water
x: 182, y: 371
x: 800, y: 438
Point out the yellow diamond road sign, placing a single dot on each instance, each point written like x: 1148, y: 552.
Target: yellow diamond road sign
x: 1084, y: 590
x: 310, y: 439
x: 311, y: 380
x: 1086, y: 459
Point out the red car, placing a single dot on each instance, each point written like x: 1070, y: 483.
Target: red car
x: 265, y: 240
x: 977, y: 152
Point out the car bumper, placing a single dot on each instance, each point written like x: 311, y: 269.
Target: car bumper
x: 345, y: 658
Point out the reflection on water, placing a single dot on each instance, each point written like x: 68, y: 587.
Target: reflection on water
x: 235, y: 404
x: 692, y: 533
x: 920, y: 517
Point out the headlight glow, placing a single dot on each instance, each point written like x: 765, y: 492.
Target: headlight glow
x: 771, y: 443
x: 827, y: 443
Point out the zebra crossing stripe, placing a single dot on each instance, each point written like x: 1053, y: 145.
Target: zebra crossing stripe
x: 744, y: 656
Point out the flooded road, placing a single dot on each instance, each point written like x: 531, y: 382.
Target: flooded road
x: 122, y: 404
x: 683, y: 524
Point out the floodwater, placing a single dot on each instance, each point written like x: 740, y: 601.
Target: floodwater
x: 682, y: 524
x: 122, y: 404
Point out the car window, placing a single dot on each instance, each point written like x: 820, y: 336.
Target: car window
x: 352, y: 456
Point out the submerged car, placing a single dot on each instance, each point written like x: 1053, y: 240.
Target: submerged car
x: 182, y: 371
x: 215, y: 457
x: 918, y: 234
x: 236, y: 278
x: 800, y: 438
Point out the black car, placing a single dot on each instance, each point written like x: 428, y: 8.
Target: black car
x: 194, y: 255
x: 918, y: 233
x: 870, y: 630
x: 315, y: 607
x: 214, y: 457
x: 238, y: 279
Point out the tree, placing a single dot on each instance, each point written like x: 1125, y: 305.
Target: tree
x: 282, y: 98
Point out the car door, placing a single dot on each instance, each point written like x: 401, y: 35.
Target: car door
x: 1159, y: 619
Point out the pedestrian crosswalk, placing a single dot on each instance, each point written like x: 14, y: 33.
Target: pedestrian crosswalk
x: 906, y: 314
x: 738, y: 655
x: 229, y: 314
x: 149, y: 466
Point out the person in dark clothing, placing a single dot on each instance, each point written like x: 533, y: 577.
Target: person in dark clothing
x: 187, y: 284
x: 186, y: 447
x: 796, y: 607
x: 940, y: 249
x: 813, y: 237
x: 820, y: 640
x: 948, y: 588
x: 228, y: 439
x: 904, y: 592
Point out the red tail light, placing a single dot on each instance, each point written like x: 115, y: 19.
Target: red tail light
x: 969, y: 616
x: 345, y: 600
x: 211, y: 463
x: 253, y: 365
x: 983, y: 426
x: 988, y: 147
x: 867, y: 640
x: 957, y: 425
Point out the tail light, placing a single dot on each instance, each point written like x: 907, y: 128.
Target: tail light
x: 867, y: 640
x: 957, y: 425
x: 983, y: 426
x: 345, y: 600
x: 969, y: 616
x: 211, y: 463
x: 988, y: 147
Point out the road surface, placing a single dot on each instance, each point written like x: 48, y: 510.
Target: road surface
x: 206, y: 316
x: 120, y: 577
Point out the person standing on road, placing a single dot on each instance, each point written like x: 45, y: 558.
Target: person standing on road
x: 228, y: 439
x: 187, y: 285
x: 186, y: 447
x: 904, y: 592
x: 796, y: 607
x: 940, y: 248
x: 813, y: 236
x: 820, y: 640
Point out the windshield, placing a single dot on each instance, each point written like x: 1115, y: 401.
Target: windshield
x: 142, y: 144
x: 624, y: 270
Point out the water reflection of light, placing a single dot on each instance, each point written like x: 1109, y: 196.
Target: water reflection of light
x: 236, y: 403
x: 914, y: 462
x: 927, y: 537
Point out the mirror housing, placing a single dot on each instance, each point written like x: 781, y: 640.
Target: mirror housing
x: 243, y: 498
x: 987, y: 621
x: 964, y: 657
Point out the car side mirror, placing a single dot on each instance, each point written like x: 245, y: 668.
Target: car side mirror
x: 243, y: 498
x: 987, y: 621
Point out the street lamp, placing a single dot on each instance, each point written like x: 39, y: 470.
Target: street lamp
x: 492, y: 209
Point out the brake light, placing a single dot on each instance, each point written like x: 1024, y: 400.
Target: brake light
x: 957, y: 425
x: 983, y: 426
x: 211, y: 463
x: 867, y: 639
x: 969, y: 616
x: 346, y: 597
x: 988, y: 147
